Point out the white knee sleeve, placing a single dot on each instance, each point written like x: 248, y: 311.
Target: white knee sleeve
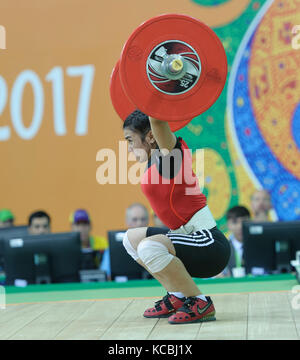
x: 129, y: 248
x: 154, y: 255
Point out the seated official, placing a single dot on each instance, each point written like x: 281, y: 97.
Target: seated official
x: 81, y: 222
x: 39, y: 223
x: 261, y: 206
x: 136, y: 215
x: 235, y: 218
x: 6, y: 218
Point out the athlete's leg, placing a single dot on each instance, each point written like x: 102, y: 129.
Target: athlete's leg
x: 136, y: 235
x: 174, y: 299
x: 157, y: 255
x: 131, y: 240
x: 165, y: 266
x: 174, y: 276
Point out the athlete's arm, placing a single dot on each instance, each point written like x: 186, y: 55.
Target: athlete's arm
x: 163, y: 135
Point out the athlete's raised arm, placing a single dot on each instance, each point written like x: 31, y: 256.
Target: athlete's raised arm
x: 163, y: 135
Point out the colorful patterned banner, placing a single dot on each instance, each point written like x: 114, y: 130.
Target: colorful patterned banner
x: 252, y: 133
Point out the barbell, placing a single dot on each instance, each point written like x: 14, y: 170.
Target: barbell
x: 173, y: 67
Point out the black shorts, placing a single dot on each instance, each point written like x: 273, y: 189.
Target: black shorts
x: 204, y: 253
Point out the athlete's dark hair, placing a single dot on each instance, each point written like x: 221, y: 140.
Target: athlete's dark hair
x: 38, y: 214
x: 138, y: 122
x: 236, y: 212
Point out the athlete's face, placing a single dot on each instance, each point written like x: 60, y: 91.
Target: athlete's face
x: 140, y: 149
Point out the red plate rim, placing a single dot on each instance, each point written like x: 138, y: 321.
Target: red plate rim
x: 218, y: 88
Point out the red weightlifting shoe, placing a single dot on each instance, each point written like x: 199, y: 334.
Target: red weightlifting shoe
x: 165, y: 307
x: 194, y: 310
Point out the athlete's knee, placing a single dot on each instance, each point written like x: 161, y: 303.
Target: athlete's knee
x: 128, y: 246
x: 136, y: 235
x: 154, y: 255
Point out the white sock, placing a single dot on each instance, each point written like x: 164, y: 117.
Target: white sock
x: 202, y: 297
x: 177, y: 294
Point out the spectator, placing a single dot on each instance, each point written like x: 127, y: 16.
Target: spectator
x: 39, y: 223
x: 136, y: 215
x: 235, y: 218
x: 261, y: 205
x: 81, y: 222
x: 157, y: 222
x: 6, y: 218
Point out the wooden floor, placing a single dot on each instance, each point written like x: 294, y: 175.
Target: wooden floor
x: 260, y: 315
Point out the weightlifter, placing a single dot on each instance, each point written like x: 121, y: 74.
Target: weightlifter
x: 194, y: 246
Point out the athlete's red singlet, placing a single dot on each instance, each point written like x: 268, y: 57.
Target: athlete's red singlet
x: 174, y: 200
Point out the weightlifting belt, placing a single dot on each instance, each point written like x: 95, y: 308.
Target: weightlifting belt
x: 202, y: 219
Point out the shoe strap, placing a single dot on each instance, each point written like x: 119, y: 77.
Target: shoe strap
x: 166, y: 301
x: 190, y: 301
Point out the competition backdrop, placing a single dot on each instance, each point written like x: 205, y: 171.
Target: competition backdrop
x: 56, y: 114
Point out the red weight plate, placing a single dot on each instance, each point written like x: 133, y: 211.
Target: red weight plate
x: 155, y: 94
x: 177, y: 125
x: 123, y: 106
